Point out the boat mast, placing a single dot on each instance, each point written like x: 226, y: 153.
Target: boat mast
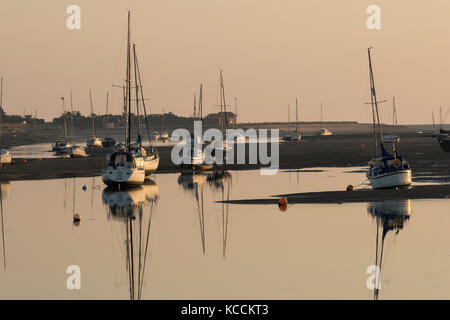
x: 296, y: 115
x: 200, y: 103
x: 224, y: 104
x: 1, y: 104
x: 143, y: 101
x: 374, y: 103
x: 128, y: 83
x: 195, y: 107
x: 72, y: 128
x: 137, y: 93
x: 65, y: 120
x: 92, y: 113
x: 235, y: 113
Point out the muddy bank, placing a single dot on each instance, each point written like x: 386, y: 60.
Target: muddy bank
x: 338, y: 197
x: 427, y: 160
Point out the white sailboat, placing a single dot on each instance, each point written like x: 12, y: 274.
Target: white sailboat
x: 386, y: 170
x: 74, y: 150
x: 323, y: 131
x: 5, y: 155
x: 125, y: 169
x: 223, y: 145
x: 295, y: 135
x: 62, y: 146
x: 93, y: 141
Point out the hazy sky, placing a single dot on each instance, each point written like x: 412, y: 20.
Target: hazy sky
x: 271, y: 51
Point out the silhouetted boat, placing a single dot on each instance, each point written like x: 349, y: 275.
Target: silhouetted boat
x: 385, y: 171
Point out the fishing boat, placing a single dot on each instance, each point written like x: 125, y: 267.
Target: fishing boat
x: 295, y: 135
x: 93, y: 141
x: 125, y: 168
x: 386, y: 170
x: 389, y: 216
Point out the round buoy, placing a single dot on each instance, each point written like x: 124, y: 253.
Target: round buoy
x: 282, y: 202
x: 76, y: 217
x: 24, y: 161
x: 349, y: 187
x: 339, y: 202
x: 39, y: 159
x: 282, y: 207
x: 84, y: 188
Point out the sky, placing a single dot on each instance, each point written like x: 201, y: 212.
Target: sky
x: 270, y: 51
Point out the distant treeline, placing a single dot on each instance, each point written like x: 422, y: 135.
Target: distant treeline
x: 115, y: 121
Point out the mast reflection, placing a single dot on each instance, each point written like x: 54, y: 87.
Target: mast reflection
x: 389, y: 216
x: 217, y: 180
x: 132, y: 210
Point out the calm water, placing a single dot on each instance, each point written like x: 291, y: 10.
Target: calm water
x: 181, y: 244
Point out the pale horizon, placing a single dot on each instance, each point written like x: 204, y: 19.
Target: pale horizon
x: 270, y: 52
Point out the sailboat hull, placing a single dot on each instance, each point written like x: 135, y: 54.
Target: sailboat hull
x: 151, y: 164
x: 123, y: 176
x: 400, y: 178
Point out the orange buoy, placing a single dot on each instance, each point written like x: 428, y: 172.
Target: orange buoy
x: 39, y: 159
x: 282, y: 202
x: 282, y: 207
x: 76, y: 217
x: 24, y: 161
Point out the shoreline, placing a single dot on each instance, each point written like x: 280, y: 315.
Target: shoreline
x: 422, y: 192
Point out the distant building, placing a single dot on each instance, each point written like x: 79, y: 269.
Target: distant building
x: 215, y: 119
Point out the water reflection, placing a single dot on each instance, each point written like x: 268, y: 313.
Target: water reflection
x: 217, y: 180
x: 389, y: 216
x: 127, y: 210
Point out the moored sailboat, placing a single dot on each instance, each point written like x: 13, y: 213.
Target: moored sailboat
x: 386, y: 170
x: 5, y: 155
x: 125, y: 168
x: 93, y: 141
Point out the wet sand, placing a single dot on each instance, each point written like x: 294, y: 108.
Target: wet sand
x: 428, y: 161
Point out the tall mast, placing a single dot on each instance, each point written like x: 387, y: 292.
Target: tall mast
x: 321, y: 114
x: 200, y: 103
x: 107, y: 105
x: 72, y: 129
x: 223, y: 103
x: 289, y: 113
x: 374, y: 103
x: 296, y: 115
x: 1, y: 104
x: 129, y: 84
x: 432, y: 116
x: 92, y: 113
x: 235, y: 113
x: 65, y: 120
x: 137, y: 92
x: 195, y: 107
x: 143, y: 100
